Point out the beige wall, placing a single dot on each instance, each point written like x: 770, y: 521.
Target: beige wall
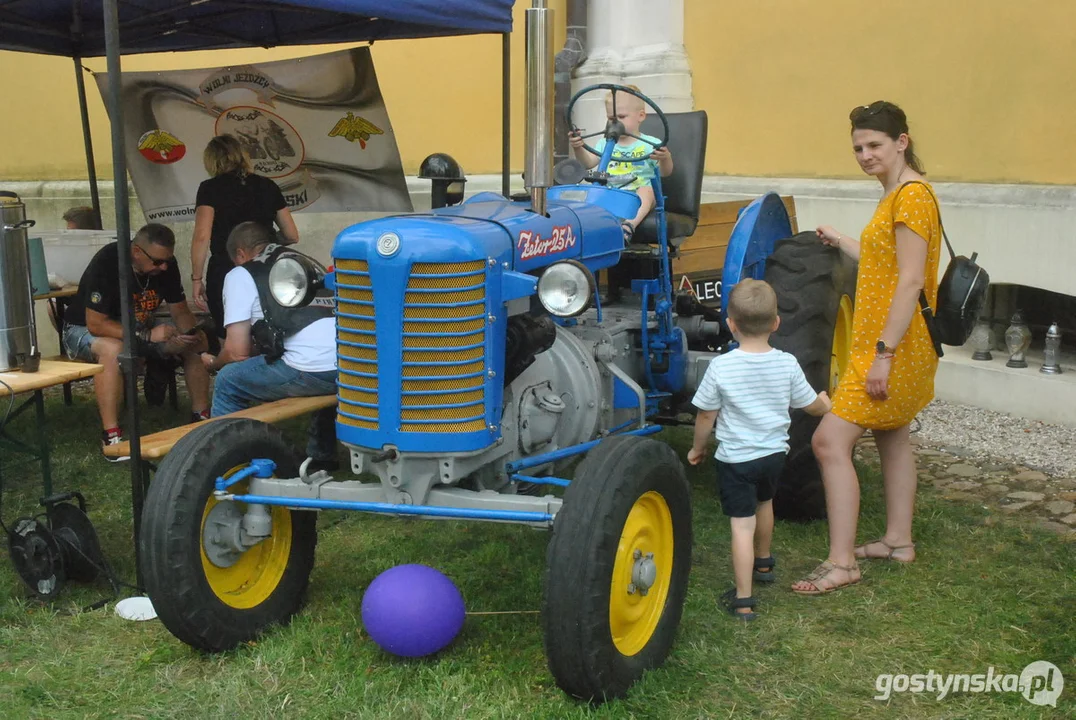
x: 443, y: 95
x: 988, y: 85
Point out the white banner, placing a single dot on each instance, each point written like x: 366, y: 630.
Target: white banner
x: 317, y: 126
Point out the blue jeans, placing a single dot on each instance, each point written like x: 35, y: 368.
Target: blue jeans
x: 78, y: 345
x: 77, y: 342
x: 253, y: 381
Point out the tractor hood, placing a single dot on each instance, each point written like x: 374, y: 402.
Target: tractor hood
x: 491, y: 227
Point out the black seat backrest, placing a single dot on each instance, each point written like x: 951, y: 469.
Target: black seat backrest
x: 687, y: 143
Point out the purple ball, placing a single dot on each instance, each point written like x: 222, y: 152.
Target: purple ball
x: 412, y: 610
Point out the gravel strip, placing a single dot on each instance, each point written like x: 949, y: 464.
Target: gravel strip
x: 984, y: 435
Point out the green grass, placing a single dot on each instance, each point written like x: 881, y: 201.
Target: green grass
x: 980, y: 595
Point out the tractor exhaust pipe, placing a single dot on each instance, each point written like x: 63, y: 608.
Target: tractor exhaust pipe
x: 538, y: 172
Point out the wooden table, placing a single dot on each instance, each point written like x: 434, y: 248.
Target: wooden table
x: 58, y: 300
x: 65, y: 292
x: 50, y: 374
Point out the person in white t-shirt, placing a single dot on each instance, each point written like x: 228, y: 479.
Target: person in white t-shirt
x: 307, y: 366
x: 749, y: 391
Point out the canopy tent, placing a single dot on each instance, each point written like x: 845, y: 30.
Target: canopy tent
x: 89, y: 28
x: 76, y: 27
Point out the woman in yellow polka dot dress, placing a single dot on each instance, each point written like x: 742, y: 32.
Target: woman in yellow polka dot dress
x: 891, y: 374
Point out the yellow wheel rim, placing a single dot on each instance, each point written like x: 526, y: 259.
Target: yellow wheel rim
x: 842, y: 343
x: 633, y: 616
x: 256, y: 574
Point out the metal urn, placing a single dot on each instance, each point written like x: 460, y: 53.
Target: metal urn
x: 1017, y: 341
x: 1051, y: 362
x: 18, y: 334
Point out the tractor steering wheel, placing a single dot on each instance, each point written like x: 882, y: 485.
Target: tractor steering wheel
x: 614, y: 130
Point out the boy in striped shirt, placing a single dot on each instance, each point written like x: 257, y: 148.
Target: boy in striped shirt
x: 749, y: 391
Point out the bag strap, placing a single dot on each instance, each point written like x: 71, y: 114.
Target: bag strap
x: 949, y: 247
x: 927, y: 312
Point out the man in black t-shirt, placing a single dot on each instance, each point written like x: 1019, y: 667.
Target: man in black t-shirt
x: 93, y: 330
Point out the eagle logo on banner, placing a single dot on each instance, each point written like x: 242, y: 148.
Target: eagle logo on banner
x: 161, y: 147
x: 353, y: 128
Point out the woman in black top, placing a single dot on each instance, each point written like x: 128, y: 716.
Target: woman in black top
x: 233, y: 194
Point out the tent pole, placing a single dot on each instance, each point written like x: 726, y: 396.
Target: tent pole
x: 123, y: 236
x: 506, y: 113
x: 91, y: 170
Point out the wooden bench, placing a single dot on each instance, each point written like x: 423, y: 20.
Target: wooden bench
x: 157, y: 445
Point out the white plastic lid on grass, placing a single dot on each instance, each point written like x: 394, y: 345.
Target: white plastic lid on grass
x: 136, y: 608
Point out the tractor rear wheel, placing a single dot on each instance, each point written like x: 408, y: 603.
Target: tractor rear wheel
x: 815, y: 287
x: 617, y: 567
x: 209, y: 595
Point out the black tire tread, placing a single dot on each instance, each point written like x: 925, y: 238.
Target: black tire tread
x: 579, y: 648
x: 170, y: 552
x: 809, y: 279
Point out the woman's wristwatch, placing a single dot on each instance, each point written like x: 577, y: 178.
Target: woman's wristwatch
x: 884, y: 351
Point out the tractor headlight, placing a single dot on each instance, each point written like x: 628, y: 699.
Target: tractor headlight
x: 294, y: 279
x: 566, y: 288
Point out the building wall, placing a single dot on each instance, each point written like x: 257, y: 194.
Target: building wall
x: 777, y: 77
x: 987, y: 84
x: 442, y: 94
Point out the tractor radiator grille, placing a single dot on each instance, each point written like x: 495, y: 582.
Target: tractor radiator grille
x: 443, y: 362
x: 356, y: 345
x: 444, y: 338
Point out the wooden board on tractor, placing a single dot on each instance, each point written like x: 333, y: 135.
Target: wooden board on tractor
x: 702, y: 255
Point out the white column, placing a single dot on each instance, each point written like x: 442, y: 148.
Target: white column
x: 634, y: 42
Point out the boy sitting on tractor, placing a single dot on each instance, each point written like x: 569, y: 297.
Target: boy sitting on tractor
x: 627, y: 170
x: 629, y: 112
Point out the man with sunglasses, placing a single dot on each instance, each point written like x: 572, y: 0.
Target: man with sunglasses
x: 93, y: 330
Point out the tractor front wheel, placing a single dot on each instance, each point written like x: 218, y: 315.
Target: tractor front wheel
x: 617, y: 567
x: 210, y: 594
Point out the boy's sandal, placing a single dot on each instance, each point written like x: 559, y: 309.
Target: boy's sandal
x: 861, y: 551
x: 822, y: 572
x: 764, y: 569
x: 732, y: 603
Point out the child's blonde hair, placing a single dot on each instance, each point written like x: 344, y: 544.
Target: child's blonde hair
x: 224, y: 154
x: 753, y: 307
x: 635, y: 101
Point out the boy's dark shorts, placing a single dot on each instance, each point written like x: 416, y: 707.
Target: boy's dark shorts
x: 743, y: 485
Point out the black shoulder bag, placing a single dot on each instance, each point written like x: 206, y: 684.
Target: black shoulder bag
x: 961, y: 293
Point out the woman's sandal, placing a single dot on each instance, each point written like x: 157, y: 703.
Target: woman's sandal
x: 822, y: 572
x: 764, y: 569
x: 731, y: 603
x: 861, y: 551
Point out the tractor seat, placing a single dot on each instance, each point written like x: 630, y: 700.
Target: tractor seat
x: 683, y: 189
x: 679, y: 227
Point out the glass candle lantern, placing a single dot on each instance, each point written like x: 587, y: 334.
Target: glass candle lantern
x: 982, y: 340
x: 1051, y: 362
x: 1017, y: 341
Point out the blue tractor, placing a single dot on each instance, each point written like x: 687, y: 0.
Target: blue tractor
x: 477, y: 366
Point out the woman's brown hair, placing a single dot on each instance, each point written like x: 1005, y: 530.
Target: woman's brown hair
x: 223, y: 155
x: 887, y: 118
